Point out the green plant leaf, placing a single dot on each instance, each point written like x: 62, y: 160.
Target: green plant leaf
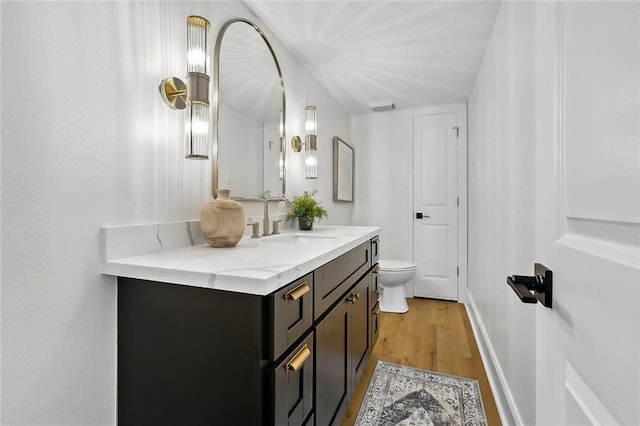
x: 306, y: 206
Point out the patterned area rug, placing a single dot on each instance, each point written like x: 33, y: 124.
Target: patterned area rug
x: 400, y: 395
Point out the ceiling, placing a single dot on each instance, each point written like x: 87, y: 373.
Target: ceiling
x: 415, y: 53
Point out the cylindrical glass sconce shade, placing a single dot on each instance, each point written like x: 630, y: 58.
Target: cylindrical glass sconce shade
x: 310, y: 143
x: 197, y: 30
x: 281, y: 158
x: 310, y: 125
x: 311, y: 164
x: 281, y: 124
x: 197, y: 131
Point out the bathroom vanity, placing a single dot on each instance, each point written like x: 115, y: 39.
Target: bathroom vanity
x: 275, y: 331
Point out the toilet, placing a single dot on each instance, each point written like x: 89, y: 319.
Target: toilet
x: 392, y: 276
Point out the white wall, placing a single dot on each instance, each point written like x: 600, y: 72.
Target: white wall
x: 332, y: 121
x: 87, y: 142
x: 501, y: 202
x: 384, y: 180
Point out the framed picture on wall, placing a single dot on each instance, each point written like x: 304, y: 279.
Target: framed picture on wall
x: 343, y: 163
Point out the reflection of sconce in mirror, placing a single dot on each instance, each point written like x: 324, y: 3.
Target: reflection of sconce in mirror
x: 281, y: 157
x: 194, y: 95
x: 310, y: 143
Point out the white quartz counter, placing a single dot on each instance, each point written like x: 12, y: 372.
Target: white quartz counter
x: 255, y: 266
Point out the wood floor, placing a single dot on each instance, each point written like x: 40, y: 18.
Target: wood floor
x: 434, y: 335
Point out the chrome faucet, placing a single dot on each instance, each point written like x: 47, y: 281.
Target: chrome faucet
x: 265, y: 221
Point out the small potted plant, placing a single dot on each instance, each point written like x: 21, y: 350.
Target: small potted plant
x: 306, y: 209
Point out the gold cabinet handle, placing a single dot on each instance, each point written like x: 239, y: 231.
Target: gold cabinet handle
x: 298, y: 292
x: 298, y: 359
x: 353, y: 297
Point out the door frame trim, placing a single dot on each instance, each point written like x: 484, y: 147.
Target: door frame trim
x: 461, y: 110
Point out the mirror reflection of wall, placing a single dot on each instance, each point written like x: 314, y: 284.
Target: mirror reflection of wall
x: 249, y: 104
x: 240, y: 157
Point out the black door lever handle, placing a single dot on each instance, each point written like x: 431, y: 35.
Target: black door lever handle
x: 521, y: 290
x: 531, y: 289
x: 532, y: 283
x: 419, y: 215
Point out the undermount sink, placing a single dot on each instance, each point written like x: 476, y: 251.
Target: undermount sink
x: 299, y: 238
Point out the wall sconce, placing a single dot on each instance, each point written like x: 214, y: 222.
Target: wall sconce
x: 310, y: 143
x: 194, y: 95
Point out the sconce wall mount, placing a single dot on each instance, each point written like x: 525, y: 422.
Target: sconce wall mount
x: 296, y: 144
x: 310, y: 142
x: 174, y: 93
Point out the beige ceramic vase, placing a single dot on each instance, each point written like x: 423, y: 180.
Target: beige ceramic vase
x: 222, y: 220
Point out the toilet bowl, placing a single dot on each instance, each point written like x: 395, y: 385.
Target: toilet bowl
x: 392, y: 276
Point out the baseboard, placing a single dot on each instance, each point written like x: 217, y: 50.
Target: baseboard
x: 507, y: 408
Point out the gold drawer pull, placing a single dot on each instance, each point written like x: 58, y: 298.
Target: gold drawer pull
x: 298, y: 359
x: 298, y: 292
x: 353, y: 297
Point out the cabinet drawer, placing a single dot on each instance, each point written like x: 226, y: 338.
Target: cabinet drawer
x: 292, y: 388
x: 332, y: 280
x: 292, y: 308
x: 375, y: 290
x: 375, y: 250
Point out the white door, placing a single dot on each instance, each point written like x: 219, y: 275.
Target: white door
x: 272, y: 157
x: 436, y: 136
x: 588, y: 212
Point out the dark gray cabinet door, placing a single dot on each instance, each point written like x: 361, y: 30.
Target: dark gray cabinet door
x: 332, y: 363
x: 358, y: 335
x: 342, y: 349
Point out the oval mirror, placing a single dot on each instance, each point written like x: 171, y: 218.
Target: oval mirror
x: 249, y: 114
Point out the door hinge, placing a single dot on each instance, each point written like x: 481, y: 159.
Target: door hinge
x: 458, y: 201
x: 457, y: 131
x: 457, y: 270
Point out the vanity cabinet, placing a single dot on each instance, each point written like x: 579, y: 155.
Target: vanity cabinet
x: 190, y: 355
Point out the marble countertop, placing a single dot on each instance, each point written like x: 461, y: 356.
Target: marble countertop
x: 170, y: 253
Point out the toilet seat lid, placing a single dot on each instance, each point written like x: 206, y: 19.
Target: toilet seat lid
x: 395, y: 265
